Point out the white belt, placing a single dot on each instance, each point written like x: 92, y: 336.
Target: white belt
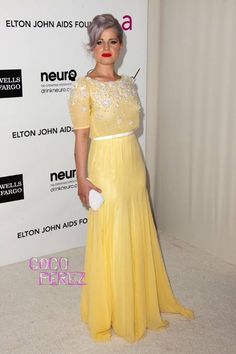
x: 113, y: 136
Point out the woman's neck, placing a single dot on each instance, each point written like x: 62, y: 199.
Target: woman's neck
x: 104, y: 72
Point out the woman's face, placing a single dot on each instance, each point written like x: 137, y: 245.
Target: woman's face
x: 108, y: 47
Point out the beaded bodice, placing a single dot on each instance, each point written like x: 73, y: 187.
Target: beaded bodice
x: 106, y: 108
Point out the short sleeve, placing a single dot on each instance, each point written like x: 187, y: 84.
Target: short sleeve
x: 79, y: 104
x: 135, y: 93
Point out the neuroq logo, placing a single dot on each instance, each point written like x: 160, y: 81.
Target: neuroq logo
x: 63, y: 180
x: 58, y: 75
x: 62, y: 175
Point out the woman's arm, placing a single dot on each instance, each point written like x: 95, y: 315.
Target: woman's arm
x: 81, y: 158
x: 81, y: 152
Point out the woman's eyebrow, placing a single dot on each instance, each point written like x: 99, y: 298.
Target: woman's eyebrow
x: 109, y: 38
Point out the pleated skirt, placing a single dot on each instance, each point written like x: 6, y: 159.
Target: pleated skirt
x: 127, y: 284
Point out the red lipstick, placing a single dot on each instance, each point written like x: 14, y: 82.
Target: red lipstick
x: 106, y: 55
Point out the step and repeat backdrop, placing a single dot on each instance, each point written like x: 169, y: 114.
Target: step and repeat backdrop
x: 42, y: 53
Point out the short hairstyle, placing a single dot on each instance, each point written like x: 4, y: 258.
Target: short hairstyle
x: 98, y: 25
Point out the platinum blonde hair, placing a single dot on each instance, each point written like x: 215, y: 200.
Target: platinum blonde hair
x: 98, y: 25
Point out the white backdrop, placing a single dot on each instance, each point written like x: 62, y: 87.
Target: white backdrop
x: 196, y: 145
x: 42, y: 51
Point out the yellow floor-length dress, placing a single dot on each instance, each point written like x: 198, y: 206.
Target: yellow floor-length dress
x: 127, y: 284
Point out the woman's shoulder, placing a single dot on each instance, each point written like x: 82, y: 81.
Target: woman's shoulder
x: 79, y: 89
x: 79, y: 84
x: 80, y: 80
x: 131, y: 82
x: 126, y: 77
x: 129, y: 79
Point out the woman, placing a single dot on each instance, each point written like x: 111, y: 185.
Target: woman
x: 127, y: 284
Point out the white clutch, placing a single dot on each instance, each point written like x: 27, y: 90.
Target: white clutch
x: 95, y: 199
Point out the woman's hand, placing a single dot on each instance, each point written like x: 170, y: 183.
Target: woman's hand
x: 84, y: 186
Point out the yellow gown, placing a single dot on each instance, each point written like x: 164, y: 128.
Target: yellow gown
x: 127, y: 283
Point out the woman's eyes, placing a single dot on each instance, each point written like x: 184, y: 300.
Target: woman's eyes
x: 113, y: 41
